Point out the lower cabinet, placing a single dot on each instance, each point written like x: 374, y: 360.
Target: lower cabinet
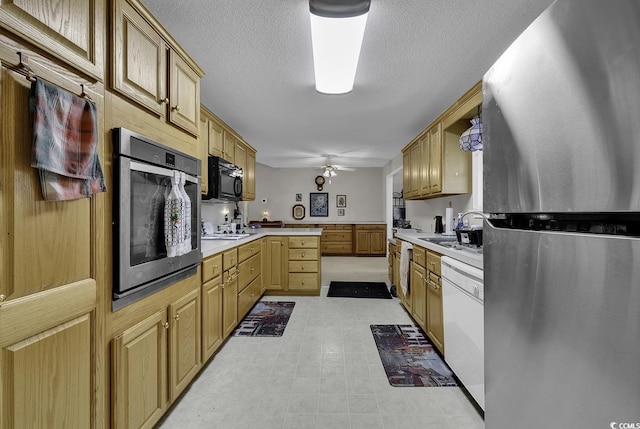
x: 229, y: 291
x: 371, y: 240
x: 419, y: 294
x: 293, y: 265
x: 149, y: 370
x: 212, y: 334
x: 435, y: 323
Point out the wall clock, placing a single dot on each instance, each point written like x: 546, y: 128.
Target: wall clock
x: 319, y: 182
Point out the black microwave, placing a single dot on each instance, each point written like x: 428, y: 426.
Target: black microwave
x: 224, y: 182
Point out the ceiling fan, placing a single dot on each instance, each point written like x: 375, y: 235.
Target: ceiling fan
x: 330, y: 170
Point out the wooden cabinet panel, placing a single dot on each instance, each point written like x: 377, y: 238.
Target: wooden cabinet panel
x: 139, y: 373
x: 435, y: 159
x: 184, y: 94
x: 303, y: 242
x: 337, y: 248
x: 211, y: 267
x: 248, y: 270
x: 203, y: 141
x: 305, y: 254
x: 416, y: 168
x: 229, y: 304
x: 248, y: 250
x: 250, y: 176
x: 303, y: 281
x: 72, y: 31
x: 230, y: 259
x: 212, y: 334
x: 435, y: 323
x: 371, y: 240
x: 419, y: 294
x: 139, y: 59
x: 277, y: 257
x: 248, y: 297
x: 229, y: 146
x: 216, y: 139
x: 184, y: 360
x: 363, y: 242
x: 303, y: 266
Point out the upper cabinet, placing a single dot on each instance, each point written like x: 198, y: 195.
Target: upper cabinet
x: 70, y: 30
x: 434, y: 165
x: 151, y: 69
x: 218, y: 139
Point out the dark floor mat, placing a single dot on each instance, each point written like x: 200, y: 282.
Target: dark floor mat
x: 359, y: 290
x: 266, y: 319
x: 409, y: 358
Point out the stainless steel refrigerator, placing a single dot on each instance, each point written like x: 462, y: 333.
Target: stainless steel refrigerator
x: 561, y: 116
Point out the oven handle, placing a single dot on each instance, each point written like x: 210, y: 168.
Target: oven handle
x: 154, y: 169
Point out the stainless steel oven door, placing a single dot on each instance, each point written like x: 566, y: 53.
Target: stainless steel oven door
x: 139, y: 241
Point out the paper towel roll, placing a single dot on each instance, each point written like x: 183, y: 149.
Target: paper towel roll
x: 448, y: 216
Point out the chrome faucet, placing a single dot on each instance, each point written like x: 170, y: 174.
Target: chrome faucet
x: 462, y: 215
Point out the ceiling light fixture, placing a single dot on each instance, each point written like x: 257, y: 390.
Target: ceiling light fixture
x: 329, y: 172
x: 337, y: 29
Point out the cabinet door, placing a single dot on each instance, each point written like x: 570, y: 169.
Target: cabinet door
x: 419, y: 294
x: 435, y: 159
x: 203, y: 140
x: 184, y: 348
x: 416, y: 169
x: 276, y: 274
x: 406, y: 173
x: 212, y: 334
x: 425, y: 147
x: 139, y: 60
x: 184, y: 95
x: 216, y: 139
x: 363, y: 242
x: 435, y: 324
x: 249, y: 182
x: 229, y: 146
x: 378, y: 242
x: 70, y: 30
x: 240, y: 159
x: 229, y: 302
x: 139, y: 373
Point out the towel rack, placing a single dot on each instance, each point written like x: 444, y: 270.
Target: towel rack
x: 24, y: 69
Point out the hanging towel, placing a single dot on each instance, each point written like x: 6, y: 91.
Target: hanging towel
x: 65, y: 143
x: 406, y: 250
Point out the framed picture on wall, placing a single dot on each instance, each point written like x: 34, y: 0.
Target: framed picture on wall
x: 298, y: 197
x: 319, y: 204
x: 340, y: 212
x: 341, y: 201
x: 298, y: 212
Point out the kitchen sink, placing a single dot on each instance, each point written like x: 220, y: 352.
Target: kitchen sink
x: 452, y: 243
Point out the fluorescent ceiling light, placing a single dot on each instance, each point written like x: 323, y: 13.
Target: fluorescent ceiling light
x: 337, y: 30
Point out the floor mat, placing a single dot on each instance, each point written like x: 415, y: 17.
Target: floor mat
x: 266, y: 319
x: 409, y: 358
x: 359, y: 290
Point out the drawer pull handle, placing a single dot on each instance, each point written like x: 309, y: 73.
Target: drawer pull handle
x: 165, y: 325
x: 177, y: 317
x: 176, y: 108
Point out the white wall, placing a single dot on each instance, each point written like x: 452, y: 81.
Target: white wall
x: 364, y: 189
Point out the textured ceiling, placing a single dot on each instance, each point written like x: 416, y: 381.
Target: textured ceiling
x: 417, y: 58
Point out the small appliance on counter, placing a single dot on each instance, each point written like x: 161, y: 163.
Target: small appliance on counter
x: 439, y: 229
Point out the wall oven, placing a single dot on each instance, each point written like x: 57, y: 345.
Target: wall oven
x: 143, y: 170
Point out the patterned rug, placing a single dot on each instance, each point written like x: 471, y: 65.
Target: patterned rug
x: 409, y: 358
x: 266, y: 319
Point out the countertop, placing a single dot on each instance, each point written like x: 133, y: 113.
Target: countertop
x: 211, y: 247
x: 468, y: 257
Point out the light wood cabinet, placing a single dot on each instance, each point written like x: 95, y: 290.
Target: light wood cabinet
x: 139, y: 373
x: 371, y: 240
x: 419, y: 294
x: 150, y: 69
x: 229, y: 146
x: 250, y: 176
x: 185, y: 342
x: 434, y: 322
x: 212, y: 334
x: 72, y: 31
x: 143, y: 356
x: 216, y: 139
x: 249, y: 277
x: 304, y: 265
x: 336, y: 239
x: 52, y: 269
x: 229, y: 291
x: 434, y: 166
x: 277, y: 260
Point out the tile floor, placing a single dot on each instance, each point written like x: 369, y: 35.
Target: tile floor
x: 324, y: 372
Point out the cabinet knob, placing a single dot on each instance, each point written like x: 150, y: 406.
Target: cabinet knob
x: 177, y: 317
x: 302, y: 243
x: 252, y: 269
x: 164, y: 100
x: 176, y: 108
x: 303, y: 282
x: 303, y: 254
x: 165, y: 325
x: 3, y: 298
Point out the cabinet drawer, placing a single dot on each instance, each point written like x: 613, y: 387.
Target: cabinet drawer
x: 303, y: 254
x: 229, y: 259
x: 339, y: 248
x: 248, y: 297
x: 248, y: 250
x: 303, y: 242
x: 249, y: 270
x: 211, y: 267
x: 419, y: 256
x: 303, y: 281
x: 336, y: 236
x: 370, y: 227
x: 433, y: 263
x: 303, y: 266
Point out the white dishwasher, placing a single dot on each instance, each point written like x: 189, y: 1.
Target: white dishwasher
x: 463, y: 317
